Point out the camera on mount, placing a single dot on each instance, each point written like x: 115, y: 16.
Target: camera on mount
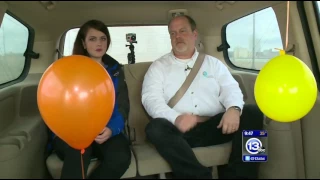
x: 131, y: 37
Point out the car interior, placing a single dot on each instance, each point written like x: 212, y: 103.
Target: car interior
x: 241, y: 34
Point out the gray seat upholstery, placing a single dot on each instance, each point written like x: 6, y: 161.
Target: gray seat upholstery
x: 149, y: 161
x: 54, y: 165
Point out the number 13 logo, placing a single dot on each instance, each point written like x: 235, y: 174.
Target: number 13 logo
x: 253, y: 145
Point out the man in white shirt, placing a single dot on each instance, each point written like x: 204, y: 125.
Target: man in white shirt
x: 214, y: 93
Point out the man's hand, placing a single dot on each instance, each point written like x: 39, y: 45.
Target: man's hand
x: 230, y: 121
x: 186, y: 122
x: 104, y: 135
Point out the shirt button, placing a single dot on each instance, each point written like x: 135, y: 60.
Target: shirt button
x: 195, y: 106
x: 191, y: 92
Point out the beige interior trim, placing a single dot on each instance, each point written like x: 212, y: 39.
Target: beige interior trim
x: 3, y: 9
x: 297, y: 38
x: 310, y: 123
x: 312, y: 22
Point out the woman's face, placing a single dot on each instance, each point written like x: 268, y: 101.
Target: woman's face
x: 95, y: 43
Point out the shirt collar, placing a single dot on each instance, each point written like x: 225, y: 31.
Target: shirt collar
x: 193, y: 57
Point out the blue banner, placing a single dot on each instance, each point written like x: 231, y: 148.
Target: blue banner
x: 254, y: 133
x: 255, y: 158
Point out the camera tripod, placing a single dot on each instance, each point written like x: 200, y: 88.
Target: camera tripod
x: 131, y: 56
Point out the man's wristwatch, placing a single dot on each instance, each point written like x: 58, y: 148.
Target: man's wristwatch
x: 236, y: 108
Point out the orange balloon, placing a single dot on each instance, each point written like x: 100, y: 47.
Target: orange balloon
x: 76, y: 99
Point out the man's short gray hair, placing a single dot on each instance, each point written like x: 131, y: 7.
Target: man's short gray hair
x: 191, y: 21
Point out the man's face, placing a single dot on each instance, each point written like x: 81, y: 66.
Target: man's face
x: 182, y: 37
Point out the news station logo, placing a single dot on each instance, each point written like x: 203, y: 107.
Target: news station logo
x: 253, y: 149
x: 254, y: 146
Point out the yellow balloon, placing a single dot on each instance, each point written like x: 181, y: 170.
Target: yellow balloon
x: 285, y: 89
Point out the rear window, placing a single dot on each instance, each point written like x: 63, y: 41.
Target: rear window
x: 153, y: 42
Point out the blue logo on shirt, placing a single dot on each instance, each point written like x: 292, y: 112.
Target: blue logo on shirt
x: 205, y: 73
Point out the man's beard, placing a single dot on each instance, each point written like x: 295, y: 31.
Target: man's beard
x: 181, y: 48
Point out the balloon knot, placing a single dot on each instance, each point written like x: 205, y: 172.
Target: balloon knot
x: 82, y: 151
x: 282, y: 52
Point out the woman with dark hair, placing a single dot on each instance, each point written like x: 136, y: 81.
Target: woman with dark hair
x: 111, y: 146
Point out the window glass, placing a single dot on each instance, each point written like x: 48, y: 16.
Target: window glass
x: 13, y: 44
x: 253, y: 39
x: 153, y: 42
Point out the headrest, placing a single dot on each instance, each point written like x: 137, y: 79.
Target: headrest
x: 199, y: 44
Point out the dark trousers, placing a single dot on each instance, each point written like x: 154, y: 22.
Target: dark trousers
x: 175, y: 147
x: 114, y: 154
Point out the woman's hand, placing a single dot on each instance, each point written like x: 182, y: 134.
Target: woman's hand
x: 104, y: 135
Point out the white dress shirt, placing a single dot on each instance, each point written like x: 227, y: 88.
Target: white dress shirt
x: 212, y: 91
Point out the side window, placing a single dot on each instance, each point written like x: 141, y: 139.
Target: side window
x: 14, y: 38
x: 153, y: 42
x: 253, y: 39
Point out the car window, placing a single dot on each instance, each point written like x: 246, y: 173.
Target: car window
x: 152, y: 42
x: 14, y: 38
x: 253, y: 39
